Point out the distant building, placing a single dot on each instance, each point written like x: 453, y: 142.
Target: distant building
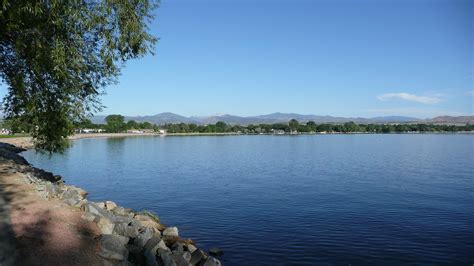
x: 89, y: 130
x: 134, y: 131
x: 278, y: 131
x: 5, y: 131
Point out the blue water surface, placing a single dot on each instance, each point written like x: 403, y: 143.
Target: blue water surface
x: 274, y: 200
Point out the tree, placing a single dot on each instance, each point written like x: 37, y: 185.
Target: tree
x: 293, y: 124
x: 146, y: 125
x: 115, y: 123
x: 132, y: 124
x: 311, y: 125
x: 221, y: 126
x: 56, y: 58
x: 350, y: 127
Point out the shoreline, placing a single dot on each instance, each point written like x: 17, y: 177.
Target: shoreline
x: 25, y: 141
x: 43, y: 217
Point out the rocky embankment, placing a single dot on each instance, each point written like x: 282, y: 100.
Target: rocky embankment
x: 126, y: 237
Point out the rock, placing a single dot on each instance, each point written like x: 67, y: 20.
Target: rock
x: 113, y: 247
x: 177, y: 247
x: 76, y: 202
x: 216, y: 252
x: 187, y: 256
x: 151, y: 248
x: 105, y: 225
x: 144, y: 235
x: 43, y: 175
x: 166, y: 260
x: 70, y: 194
x: 150, y: 259
x: 95, y: 209
x: 171, y: 231
x: 110, y: 205
x: 141, y: 217
x: 149, y: 214
x: 197, y: 256
x: 100, y: 204
x: 154, y: 243
x: 116, y: 263
x: 211, y: 261
x: 156, y: 232
x: 52, y: 190
x: 191, y: 248
x: 89, y: 217
x: 10, y: 155
x: 136, y: 255
x: 121, y: 211
x: 152, y: 224
x: 179, y: 259
x: 123, y: 219
x: 80, y: 191
x: 126, y: 229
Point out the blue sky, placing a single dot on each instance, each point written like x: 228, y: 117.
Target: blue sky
x: 342, y: 58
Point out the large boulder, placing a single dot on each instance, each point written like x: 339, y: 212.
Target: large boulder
x: 191, y: 248
x: 151, y: 248
x: 78, y: 190
x: 212, y: 262
x: 187, y: 257
x: 113, y: 247
x: 105, y: 225
x: 123, y: 219
x: 126, y: 229
x: 197, y: 256
x: 171, y: 231
x: 154, y: 244
x: 90, y: 217
x: 136, y: 255
x: 147, y: 221
x: 122, y: 211
x: 95, y: 209
x: 70, y: 193
x: 149, y: 214
x: 179, y: 259
x: 178, y: 246
x: 144, y: 235
x: 8, y: 154
x: 52, y: 190
x: 110, y: 205
x: 167, y: 260
x: 75, y: 202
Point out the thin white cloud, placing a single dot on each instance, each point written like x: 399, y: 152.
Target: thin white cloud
x: 410, y: 97
x: 470, y: 93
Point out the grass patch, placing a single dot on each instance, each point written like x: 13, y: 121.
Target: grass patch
x: 13, y: 136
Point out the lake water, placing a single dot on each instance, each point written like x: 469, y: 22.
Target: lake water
x: 272, y: 200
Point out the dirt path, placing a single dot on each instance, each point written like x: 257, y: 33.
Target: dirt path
x: 7, y: 237
x: 41, y: 231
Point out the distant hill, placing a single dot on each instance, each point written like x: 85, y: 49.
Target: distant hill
x: 164, y: 118
x: 451, y: 120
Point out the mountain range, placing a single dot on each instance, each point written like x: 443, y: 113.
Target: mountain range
x: 164, y: 118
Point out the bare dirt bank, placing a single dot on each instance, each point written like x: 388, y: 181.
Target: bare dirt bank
x: 36, y: 231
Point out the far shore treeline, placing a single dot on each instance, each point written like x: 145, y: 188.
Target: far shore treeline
x: 117, y: 123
